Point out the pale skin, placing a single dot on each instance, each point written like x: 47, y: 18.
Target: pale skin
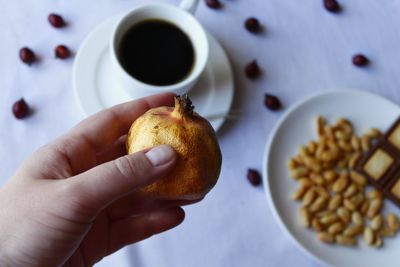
x: 73, y: 201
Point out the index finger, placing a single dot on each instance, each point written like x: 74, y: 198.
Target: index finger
x: 105, y: 127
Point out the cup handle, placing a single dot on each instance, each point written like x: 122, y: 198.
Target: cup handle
x: 189, y: 5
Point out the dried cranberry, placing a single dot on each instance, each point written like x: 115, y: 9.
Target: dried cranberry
x: 254, y: 177
x: 252, y: 70
x: 332, y: 6
x: 56, y: 21
x: 252, y: 25
x: 62, y: 52
x: 272, y: 102
x: 360, y: 60
x: 27, y: 55
x: 213, y: 3
x: 20, y: 109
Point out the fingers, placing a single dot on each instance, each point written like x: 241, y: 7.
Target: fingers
x: 105, y: 127
x: 112, y: 180
x: 134, y: 205
x: 131, y: 230
x: 116, y: 150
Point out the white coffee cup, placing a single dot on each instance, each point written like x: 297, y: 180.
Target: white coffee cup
x: 182, y: 18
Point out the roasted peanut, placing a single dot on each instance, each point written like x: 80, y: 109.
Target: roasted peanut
x: 292, y: 164
x: 349, y: 205
x: 336, y: 228
x: 318, y: 204
x: 374, y: 194
x: 357, y: 199
x: 328, y: 131
x: 303, y: 152
x: 354, y: 159
x: 344, y: 214
x: 355, y: 143
x: 340, y: 184
x: 323, y: 213
x: 373, y: 133
x: 393, y: 222
x: 329, y: 175
x: 312, y: 164
x: 329, y: 219
x: 312, y: 147
x: 365, y: 143
x: 299, y: 172
x: 335, y: 202
x: 309, y: 197
x: 326, y: 237
x: 317, y: 179
x: 340, y: 135
x: 387, y: 232
x: 343, y: 145
x: 305, y: 182
x: 305, y: 216
x: 358, y: 178
x: 350, y: 191
x: 316, y: 225
x: 353, y: 230
x: 321, y: 122
x: 374, y: 207
x: 346, y: 240
x: 356, y: 218
x: 369, y: 236
x: 342, y: 164
x: 299, y: 193
x: 322, y: 191
x: 378, y: 242
x: 327, y: 156
x: 376, y: 223
x: 364, y: 207
x: 345, y: 125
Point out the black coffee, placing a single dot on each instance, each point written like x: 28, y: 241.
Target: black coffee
x: 157, y: 52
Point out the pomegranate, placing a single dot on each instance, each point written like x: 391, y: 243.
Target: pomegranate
x: 199, y: 156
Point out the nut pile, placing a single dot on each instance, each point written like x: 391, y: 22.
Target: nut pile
x: 335, y: 200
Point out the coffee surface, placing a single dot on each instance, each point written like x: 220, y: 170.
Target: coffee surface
x: 157, y: 52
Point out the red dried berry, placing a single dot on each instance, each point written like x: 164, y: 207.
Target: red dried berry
x: 360, y: 60
x: 272, y: 102
x: 213, y: 3
x: 27, y: 55
x: 20, y: 109
x: 56, y: 20
x: 62, y: 52
x: 252, y: 25
x: 332, y: 6
x: 252, y: 70
x: 254, y: 177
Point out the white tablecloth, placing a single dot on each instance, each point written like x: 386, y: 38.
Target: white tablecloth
x: 304, y: 49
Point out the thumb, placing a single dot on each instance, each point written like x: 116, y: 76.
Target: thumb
x: 103, y: 184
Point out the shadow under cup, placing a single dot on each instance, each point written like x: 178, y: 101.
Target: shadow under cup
x: 159, y: 13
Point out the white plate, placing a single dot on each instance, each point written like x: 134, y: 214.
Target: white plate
x: 296, y: 127
x: 95, y: 88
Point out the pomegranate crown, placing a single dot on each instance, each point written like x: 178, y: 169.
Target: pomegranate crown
x: 184, y: 104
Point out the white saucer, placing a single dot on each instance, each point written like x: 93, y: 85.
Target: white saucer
x: 364, y: 110
x: 95, y: 88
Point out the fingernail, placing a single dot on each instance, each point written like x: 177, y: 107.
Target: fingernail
x: 160, y: 155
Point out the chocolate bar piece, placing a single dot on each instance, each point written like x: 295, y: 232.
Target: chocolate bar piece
x: 378, y: 165
x: 381, y: 164
x: 393, y: 135
x: 392, y: 189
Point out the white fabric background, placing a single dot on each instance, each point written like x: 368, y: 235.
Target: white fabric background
x: 305, y: 49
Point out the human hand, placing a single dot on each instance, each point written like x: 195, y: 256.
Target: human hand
x: 73, y: 201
